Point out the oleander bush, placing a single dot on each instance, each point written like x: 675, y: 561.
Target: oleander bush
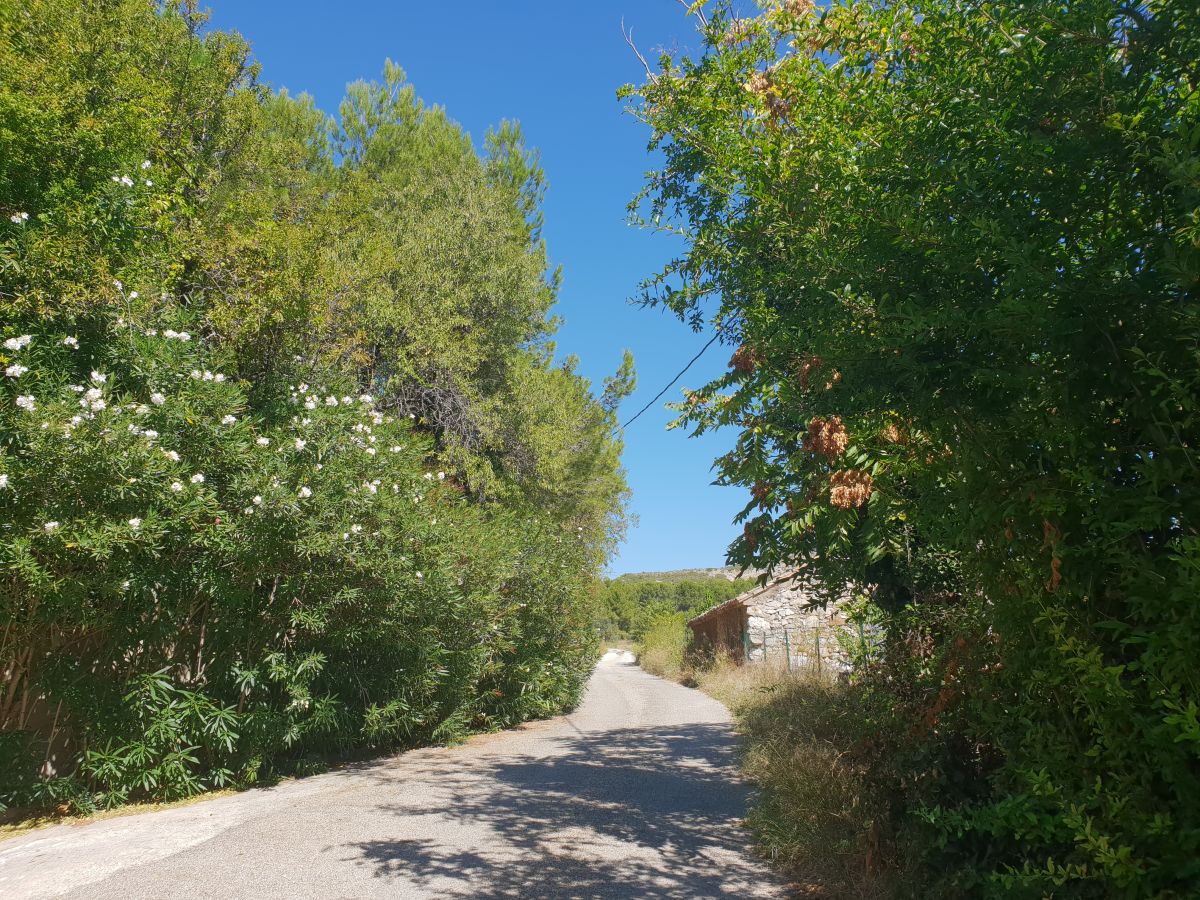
x: 287, y: 466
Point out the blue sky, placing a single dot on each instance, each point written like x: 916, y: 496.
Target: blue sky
x: 555, y: 66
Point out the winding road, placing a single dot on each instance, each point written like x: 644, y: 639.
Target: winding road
x: 633, y: 795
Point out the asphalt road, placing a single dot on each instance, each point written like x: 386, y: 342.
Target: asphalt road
x: 633, y: 795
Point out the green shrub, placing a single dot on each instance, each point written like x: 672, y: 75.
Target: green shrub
x: 660, y: 651
x: 955, y: 245
x: 287, y: 468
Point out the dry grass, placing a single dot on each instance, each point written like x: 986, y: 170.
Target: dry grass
x: 815, y: 814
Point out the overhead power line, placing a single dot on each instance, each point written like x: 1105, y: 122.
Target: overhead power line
x: 671, y: 384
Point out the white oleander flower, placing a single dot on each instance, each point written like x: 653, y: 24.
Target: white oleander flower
x: 366, y: 398
x: 370, y: 451
x: 157, y: 399
x: 208, y: 376
x: 218, y: 378
x: 150, y: 434
x: 228, y: 420
x: 305, y: 492
x: 172, y: 455
x: 263, y: 442
x: 135, y: 523
x: 72, y: 342
x: 309, y: 404
x: 331, y: 401
x: 3, y: 481
x: 419, y: 575
x: 50, y: 526
x: 198, y: 478
x: 145, y: 164
x: 176, y: 486
x: 301, y: 443
x: 19, y: 218
x: 441, y: 476
x: 26, y: 403
x: 196, y: 374
x: 355, y: 529
x: 257, y: 501
x: 16, y: 371
x: 98, y: 377
x: 17, y: 343
x: 133, y: 295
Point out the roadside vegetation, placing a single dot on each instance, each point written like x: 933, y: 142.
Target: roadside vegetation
x: 629, y: 606
x: 818, y: 809
x: 288, y: 467
x: 954, y: 248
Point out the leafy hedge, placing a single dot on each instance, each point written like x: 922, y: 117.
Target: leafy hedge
x: 249, y: 514
x: 956, y: 246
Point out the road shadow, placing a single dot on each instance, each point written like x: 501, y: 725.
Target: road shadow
x: 639, y: 812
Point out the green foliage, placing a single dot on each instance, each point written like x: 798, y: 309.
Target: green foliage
x: 957, y: 247
x: 628, y: 606
x: 287, y: 467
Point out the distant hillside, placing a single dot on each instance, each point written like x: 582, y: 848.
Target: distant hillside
x: 729, y: 573
x: 629, y: 605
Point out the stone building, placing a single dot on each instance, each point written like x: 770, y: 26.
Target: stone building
x: 781, y: 623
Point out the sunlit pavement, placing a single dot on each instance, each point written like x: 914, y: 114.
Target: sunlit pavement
x: 633, y: 795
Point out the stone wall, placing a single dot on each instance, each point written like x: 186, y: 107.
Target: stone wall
x: 784, y: 627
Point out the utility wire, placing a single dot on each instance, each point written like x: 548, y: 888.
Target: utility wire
x: 657, y: 396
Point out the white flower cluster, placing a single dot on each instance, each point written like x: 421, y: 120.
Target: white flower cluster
x: 93, y: 400
x: 171, y: 334
x: 19, y: 218
x: 16, y: 370
x: 18, y: 343
x: 71, y: 342
x: 123, y: 180
x: 197, y: 375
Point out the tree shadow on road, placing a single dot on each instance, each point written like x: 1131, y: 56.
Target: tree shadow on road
x: 639, y: 812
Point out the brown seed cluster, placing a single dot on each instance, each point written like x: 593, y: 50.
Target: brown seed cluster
x: 827, y: 437
x: 744, y: 359
x: 892, y: 434
x: 750, y: 534
x: 739, y: 30
x: 850, y: 488
x: 808, y: 365
x: 760, y: 492
x: 798, y: 7
x: 759, y: 84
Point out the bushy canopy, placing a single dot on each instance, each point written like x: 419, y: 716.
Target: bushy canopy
x: 287, y: 465
x: 956, y: 247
